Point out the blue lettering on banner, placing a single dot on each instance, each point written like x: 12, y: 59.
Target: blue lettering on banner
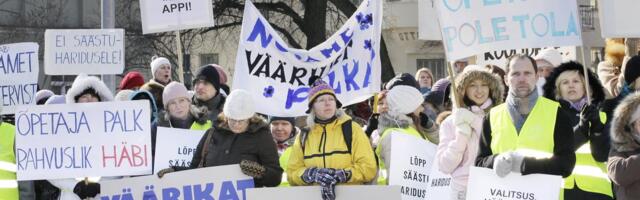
x: 89, y: 57
x: 63, y: 157
x: 18, y: 94
x: 18, y: 63
x: 51, y: 123
x: 121, y: 121
x: 229, y: 190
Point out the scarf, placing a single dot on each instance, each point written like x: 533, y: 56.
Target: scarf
x: 578, y: 104
x: 519, y: 108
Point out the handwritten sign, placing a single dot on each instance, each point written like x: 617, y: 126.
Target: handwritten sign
x: 472, y: 27
x: 83, y: 140
x: 499, y: 58
x: 88, y: 51
x: 439, y: 187
x: 19, y: 69
x: 170, y: 15
x: 617, y: 18
x: 411, y: 164
x: 279, y: 76
x: 485, y: 184
x: 222, y: 182
x: 175, y: 147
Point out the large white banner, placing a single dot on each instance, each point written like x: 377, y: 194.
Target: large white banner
x: 19, y: 69
x: 83, y: 51
x: 161, y: 16
x: 279, y: 76
x: 222, y: 182
x: 83, y: 140
x: 472, y: 27
x: 411, y: 162
x: 343, y: 192
x: 499, y: 58
x: 485, y: 184
x: 428, y: 24
x: 175, y: 147
x: 619, y: 18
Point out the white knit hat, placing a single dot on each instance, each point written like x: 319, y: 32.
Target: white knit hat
x: 156, y: 63
x: 551, y: 55
x: 403, y: 99
x: 239, y: 105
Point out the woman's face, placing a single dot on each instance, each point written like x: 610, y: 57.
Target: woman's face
x: 179, y: 108
x: 87, y: 98
x: 238, y: 126
x: 324, y: 107
x: 424, y: 80
x: 477, y: 91
x: 383, y: 107
x: 570, y: 86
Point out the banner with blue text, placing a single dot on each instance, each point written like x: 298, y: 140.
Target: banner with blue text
x: 472, y: 27
x: 83, y: 51
x: 83, y: 140
x: 222, y: 182
x: 19, y: 70
x: 279, y: 76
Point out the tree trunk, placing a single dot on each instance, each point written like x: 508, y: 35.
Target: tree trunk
x: 315, y: 21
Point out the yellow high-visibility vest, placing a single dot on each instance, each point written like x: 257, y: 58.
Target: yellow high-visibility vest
x: 383, y: 178
x: 8, y: 182
x: 201, y: 127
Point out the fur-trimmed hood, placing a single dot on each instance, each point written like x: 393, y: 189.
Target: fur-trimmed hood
x: 84, y: 82
x: 597, y: 92
x: 143, y: 94
x: 256, y: 123
x: 496, y: 88
x: 621, y: 128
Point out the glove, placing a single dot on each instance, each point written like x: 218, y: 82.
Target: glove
x: 516, y: 162
x: 342, y: 176
x: 502, y: 164
x: 162, y: 172
x: 328, y: 192
x: 589, y: 121
x: 326, y: 178
x: 86, y: 190
x: 309, y: 175
x: 252, y: 168
x: 372, y: 124
x: 462, y: 116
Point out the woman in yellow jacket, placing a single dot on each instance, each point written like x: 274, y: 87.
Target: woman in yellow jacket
x: 332, y: 149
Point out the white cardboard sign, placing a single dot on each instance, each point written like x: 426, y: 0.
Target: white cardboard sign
x: 411, y: 164
x: 485, y: 184
x: 619, y: 18
x: 84, y: 51
x: 171, y: 15
x: 19, y: 69
x: 175, y: 147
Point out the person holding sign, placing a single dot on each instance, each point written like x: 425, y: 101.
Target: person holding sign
x: 624, y: 158
x: 566, y: 84
x: 240, y: 137
x: 527, y: 134
x: 403, y: 117
x: 179, y: 112
x: 332, y: 149
x: 478, y: 91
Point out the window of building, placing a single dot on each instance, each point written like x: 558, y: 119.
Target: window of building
x: 208, y: 58
x: 437, y: 67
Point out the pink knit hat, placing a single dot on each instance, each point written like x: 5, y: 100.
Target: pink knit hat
x: 173, y: 91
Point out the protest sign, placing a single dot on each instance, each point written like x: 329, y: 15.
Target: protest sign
x: 428, y: 24
x: 618, y: 18
x: 83, y: 51
x: 343, y: 192
x: 82, y: 140
x: 19, y: 70
x: 485, y: 184
x: 222, y: 182
x: 472, y: 27
x: 411, y: 164
x: 499, y: 58
x: 280, y: 76
x: 161, y: 16
x: 175, y: 147
x: 439, y: 187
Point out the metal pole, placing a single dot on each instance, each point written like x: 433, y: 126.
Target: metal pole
x: 452, y: 90
x: 108, y: 21
x: 586, y: 76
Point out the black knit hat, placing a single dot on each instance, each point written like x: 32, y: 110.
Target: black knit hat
x: 632, y: 69
x: 402, y: 79
x: 291, y: 120
x: 209, y: 74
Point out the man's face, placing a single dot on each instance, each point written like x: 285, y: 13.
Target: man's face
x: 204, y: 90
x: 521, y: 77
x: 281, y: 130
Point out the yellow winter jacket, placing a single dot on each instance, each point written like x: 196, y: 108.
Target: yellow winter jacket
x: 330, y: 151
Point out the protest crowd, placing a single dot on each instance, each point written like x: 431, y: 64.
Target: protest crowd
x: 533, y: 115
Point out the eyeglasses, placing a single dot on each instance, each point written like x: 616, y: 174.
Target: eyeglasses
x: 233, y: 121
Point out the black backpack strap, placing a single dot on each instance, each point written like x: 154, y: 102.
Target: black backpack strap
x: 347, y: 134
x: 303, y: 137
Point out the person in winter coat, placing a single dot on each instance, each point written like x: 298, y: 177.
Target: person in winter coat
x: 156, y: 90
x: 588, y: 179
x: 624, y: 157
x: 478, y: 92
x: 425, y: 80
x: 403, y: 117
x: 609, y: 70
x: 630, y: 83
x: 528, y: 133
x: 132, y: 81
x: 179, y: 112
x: 161, y: 71
x: 381, y: 106
x: 284, y: 132
x: 42, y: 96
x: 546, y: 60
x: 144, y: 95
x: 85, y: 89
x: 323, y: 154
x: 206, y: 85
x: 240, y: 137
